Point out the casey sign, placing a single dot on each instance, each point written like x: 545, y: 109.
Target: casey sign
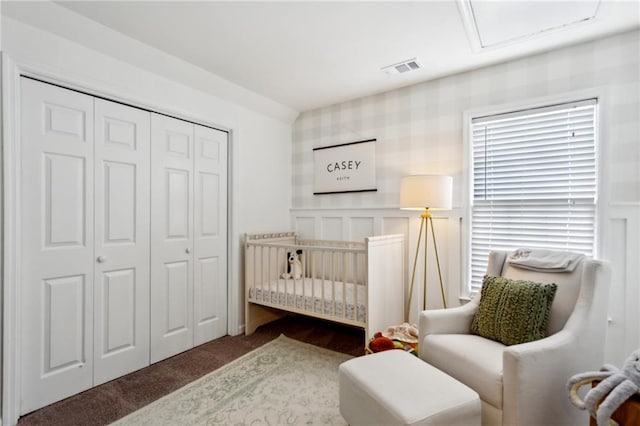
x: 348, y: 167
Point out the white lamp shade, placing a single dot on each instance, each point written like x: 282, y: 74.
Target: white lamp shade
x: 426, y: 191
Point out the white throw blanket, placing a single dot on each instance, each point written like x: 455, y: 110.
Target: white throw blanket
x: 544, y: 260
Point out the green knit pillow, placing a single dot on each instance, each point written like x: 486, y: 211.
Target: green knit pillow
x: 513, y: 311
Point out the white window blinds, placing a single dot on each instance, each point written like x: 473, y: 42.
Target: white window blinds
x: 534, y: 182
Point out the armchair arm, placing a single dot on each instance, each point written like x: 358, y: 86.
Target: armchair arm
x: 535, y: 375
x: 447, y: 321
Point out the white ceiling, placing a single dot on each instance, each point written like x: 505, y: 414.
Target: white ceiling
x: 310, y: 54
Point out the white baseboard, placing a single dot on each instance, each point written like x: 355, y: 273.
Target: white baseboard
x: 239, y: 331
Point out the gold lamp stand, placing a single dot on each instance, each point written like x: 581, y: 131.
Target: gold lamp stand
x: 425, y: 217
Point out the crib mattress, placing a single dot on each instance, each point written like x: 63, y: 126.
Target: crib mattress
x: 281, y: 292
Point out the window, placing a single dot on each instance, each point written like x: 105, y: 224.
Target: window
x: 534, y: 182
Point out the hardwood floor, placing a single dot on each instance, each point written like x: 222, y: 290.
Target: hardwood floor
x: 113, y: 400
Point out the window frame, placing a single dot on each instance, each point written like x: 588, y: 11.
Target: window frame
x: 602, y: 196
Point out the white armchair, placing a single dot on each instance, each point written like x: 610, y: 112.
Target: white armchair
x: 525, y: 384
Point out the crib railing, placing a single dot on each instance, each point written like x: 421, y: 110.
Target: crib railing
x: 332, y: 273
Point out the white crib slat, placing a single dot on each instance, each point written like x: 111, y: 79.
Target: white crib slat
x: 272, y: 291
x: 322, y: 281
x: 333, y: 284
x: 312, y: 275
x: 261, y: 266
x: 281, y: 252
x: 354, y: 265
x: 354, y: 258
x: 266, y: 264
x: 330, y: 256
x: 251, y: 281
x: 265, y: 270
x: 365, y: 285
x: 303, y: 276
x: 293, y: 283
x: 269, y: 276
x: 256, y: 276
x: 345, y: 270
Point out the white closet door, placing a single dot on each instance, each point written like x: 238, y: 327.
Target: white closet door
x: 210, y: 283
x: 122, y: 197
x: 57, y: 244
x: 171, y: 236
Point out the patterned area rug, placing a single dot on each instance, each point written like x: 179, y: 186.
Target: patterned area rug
x: 282, y: 382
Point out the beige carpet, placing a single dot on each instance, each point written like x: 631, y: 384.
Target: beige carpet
x: 282, y: 382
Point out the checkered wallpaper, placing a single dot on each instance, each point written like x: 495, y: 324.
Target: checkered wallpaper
x: 419, y: 128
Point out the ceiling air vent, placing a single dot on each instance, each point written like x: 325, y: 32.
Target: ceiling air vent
x: 403, y: 67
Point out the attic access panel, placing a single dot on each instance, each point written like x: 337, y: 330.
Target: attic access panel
x: 502, y: 22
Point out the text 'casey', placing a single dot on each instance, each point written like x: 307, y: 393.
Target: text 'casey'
x: 343, y: 165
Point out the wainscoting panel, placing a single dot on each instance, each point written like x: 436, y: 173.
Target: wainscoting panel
x: 617, y: 316
x: 361, y: 228
x: 396, y: 225
x: 332, y: 228
x: 621, y: 246
x: 399, y: 225
x: 305, y: 226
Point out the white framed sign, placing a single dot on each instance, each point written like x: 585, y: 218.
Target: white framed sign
x: 349, y: 167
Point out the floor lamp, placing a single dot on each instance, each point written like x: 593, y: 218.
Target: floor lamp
x: 425, y: 192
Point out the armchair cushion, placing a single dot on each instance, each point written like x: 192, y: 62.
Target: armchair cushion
x: 471, y: 359
x: 513, y: 311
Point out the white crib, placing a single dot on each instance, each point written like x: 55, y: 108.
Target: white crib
x: 355, y: 283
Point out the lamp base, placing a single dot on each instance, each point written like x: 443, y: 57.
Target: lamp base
x: 425, y: 217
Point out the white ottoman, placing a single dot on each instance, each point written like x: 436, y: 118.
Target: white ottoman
x: 397, y: 388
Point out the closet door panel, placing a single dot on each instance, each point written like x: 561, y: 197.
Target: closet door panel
x: 122, y: 183
x: 210, y: 241
x: 57, y: 243
x: 171, y: 237
x: 177, y: 303
x: 178, y: 185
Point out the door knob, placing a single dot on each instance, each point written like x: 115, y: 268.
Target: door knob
x: 101, y: 259
x: 187, y: 250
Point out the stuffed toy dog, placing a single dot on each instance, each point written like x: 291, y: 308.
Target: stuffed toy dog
x: 294, y: 266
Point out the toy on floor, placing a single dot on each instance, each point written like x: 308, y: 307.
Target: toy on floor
x: 380, y: 343
x: 616, y: 387
x: 402, y: 336
x: 294, y: 266
x: 403, y: 332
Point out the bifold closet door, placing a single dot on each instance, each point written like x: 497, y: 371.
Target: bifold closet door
x: 85, y: 232
x: 122, y: 198
x: 123, y: 240
x: 56, y: 285
x: 210, y: 240
x: 189, y: 235
x: 171, y: 236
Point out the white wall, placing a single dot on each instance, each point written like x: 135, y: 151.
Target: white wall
x: 258, y: 140
x: 419, y: 129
